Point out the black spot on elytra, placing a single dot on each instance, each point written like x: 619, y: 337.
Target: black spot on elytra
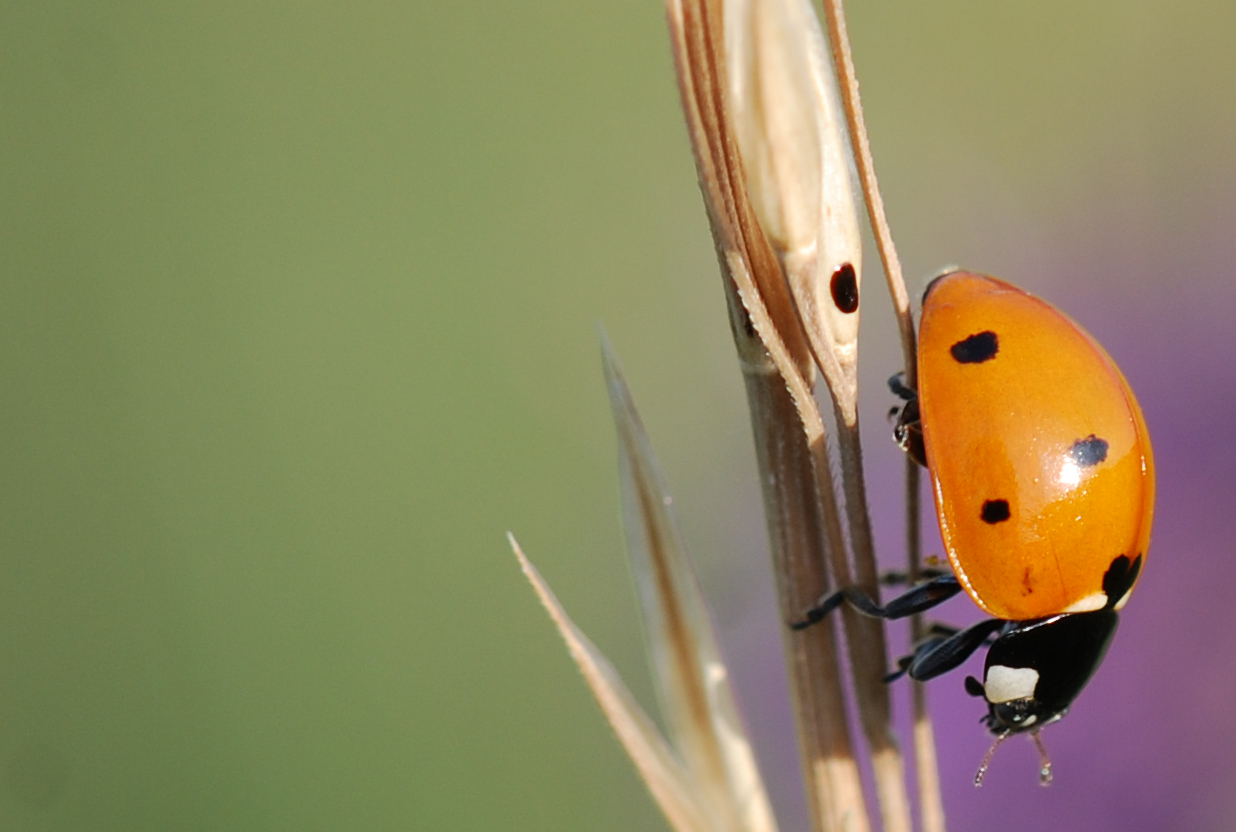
x: 1120, y: 577
x: 976, y: 349
x: 1089, y: 452
x: 844, y: 287
x: 995, y: 511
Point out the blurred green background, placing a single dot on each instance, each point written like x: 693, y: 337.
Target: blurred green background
x: 299, y: 306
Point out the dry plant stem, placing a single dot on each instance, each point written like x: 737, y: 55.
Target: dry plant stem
x: 794, y: 141
x: 864, y: 636
x: 926, y: 768
x: 931, y: 804
x: 831, y: 773
x: 792, y: 134
x: 812, y: 434
x: 868, y: 651
x: 792, y: 510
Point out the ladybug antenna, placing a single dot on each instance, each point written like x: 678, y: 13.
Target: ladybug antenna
x: 982, y: 772
x: 1044, y: 760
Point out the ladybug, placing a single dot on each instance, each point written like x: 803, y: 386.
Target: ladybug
x: 1043, y: 477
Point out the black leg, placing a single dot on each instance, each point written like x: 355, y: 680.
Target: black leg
x: 936, y: 655
x: 908, y: 432
x: 942, y: 630
x: 936, y: 635
x: 922, y: 597
x: 939, y: 629
x: 897, y: 384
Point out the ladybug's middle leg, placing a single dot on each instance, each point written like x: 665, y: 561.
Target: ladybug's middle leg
x: 922, y: 597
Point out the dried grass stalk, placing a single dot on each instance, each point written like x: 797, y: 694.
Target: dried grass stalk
x: 793, y: 136
x: 689, y: 673
x: 795, y: 472
x: 771, y: 127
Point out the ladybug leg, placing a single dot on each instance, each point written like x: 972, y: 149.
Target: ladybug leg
x: 937, y: 633
x: 937, y: 655
x: 942, y: 630
x: 897, y: 384
x: 908, y: 431
x: 922, y: 597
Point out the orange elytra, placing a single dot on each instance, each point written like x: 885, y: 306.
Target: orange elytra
x: 1038, y: 452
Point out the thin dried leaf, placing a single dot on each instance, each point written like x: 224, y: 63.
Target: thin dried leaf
x: 690, y: 674
x: 931, y: 807
x: 672, y: 786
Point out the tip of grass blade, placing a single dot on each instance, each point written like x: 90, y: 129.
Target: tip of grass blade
x: 667, y: 779
x: 689, y: 672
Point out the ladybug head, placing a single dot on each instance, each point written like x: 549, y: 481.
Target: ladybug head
x: 1035, y: 670
x: 1008, y: 716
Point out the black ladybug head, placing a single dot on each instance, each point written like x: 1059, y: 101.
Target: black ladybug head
x: 1037, y: 668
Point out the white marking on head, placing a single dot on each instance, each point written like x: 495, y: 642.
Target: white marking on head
x: 1093, y: 601
x: 1124, y: 599
x: 1004, y: 684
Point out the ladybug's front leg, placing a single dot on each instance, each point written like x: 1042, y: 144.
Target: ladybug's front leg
x: 908, y: 430
x: 944, y: 649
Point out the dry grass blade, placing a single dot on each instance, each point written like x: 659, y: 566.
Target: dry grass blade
x: 668, y: 779
x: 843, y: 64
x: 793, y: 135
x: 705, y: 778
x: 758, y: 299
x: 802, y: 516
x: 691, y: 678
